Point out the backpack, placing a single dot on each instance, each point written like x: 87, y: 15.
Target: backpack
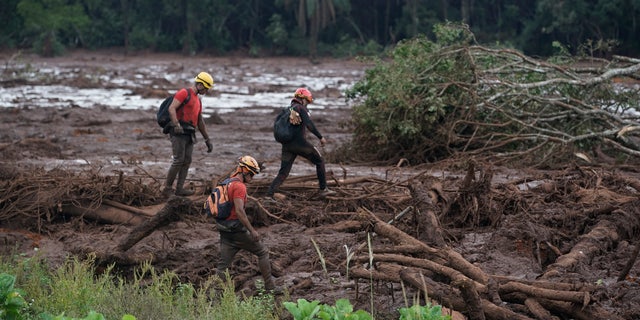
x: 217, y: 204
x: 284, y: 127
x: 162, y: 116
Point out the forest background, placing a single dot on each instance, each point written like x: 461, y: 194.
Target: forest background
x: 338, y: 28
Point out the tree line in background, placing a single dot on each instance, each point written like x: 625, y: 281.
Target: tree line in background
x: 314, y: 27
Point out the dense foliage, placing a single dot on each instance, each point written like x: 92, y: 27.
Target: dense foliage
x: 432, y: 100
x: 313, y: 27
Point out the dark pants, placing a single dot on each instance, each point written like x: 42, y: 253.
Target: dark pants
x: 289, y: 153
x: 182, y: 148
x: 232, y: 242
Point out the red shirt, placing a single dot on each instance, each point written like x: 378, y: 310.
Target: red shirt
x: 237, y: 190
x: 190, y: 112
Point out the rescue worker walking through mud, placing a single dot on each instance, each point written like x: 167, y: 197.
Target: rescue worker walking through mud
x: 236, y: 232
x: 185, y: 121
x: 299, y: 146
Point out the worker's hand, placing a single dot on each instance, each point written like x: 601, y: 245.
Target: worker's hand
x: 178, y: 129
x: 209, y: 145
x: 323, y: 141
x: 255, y: 235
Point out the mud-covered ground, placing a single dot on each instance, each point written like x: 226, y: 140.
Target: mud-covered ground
x: 576, y: 225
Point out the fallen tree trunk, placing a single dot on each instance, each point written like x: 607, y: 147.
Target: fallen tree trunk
x: 170, y: 212
x: 105, y: 214
x: 454, y: 259
x: 603, y: 236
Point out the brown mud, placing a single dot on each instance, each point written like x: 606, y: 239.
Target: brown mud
x: 73, y: 177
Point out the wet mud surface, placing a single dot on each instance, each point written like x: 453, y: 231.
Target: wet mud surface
x: 577, y: 225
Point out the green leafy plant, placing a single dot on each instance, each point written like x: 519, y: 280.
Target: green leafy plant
x: 427, y: 312
x: 11, y: 301
x: 342, y: 310
x: 303, y: 310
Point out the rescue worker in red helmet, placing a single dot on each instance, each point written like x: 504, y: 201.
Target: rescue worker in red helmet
x: 236, y: 232
x: 299, y: 146
x: 182, y: 132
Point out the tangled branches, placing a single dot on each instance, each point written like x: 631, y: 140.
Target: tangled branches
x: 38, y: 194
x: 432, y: 102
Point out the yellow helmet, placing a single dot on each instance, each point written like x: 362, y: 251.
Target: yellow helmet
x: 205, y: 79
x: 250, y: 163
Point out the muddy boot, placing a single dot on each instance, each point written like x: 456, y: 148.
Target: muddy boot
x: 167, y: 192
x: 180, y: 190
x: 326, y: 192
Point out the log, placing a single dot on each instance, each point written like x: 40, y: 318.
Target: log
x: 451, y: 274
x: 170, y: 212
x: 454, y: 259
x: 471, y: 297
x: 599, y: 239
x: 582, y: 298
x: 538, y: 310
x: 490, y: 310
x: 577, y: 312
x: 131, y: 209
x: 435, y: 292
x: 105, y: 214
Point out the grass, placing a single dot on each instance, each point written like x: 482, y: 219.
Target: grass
x: 74, y: 290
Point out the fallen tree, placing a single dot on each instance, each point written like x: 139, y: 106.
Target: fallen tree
x: 437, y: 99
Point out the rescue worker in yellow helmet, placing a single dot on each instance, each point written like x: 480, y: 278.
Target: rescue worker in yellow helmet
x: 185, y: 121
x: 236, y: 232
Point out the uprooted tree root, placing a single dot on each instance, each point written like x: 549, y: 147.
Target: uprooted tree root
x: 561, y: 220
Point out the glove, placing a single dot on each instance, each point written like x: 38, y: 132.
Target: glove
x: 209, y: 146
x: 178, y: 129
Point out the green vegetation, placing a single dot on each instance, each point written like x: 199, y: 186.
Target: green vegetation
x: 312, y: 27
x: 431, y: 100
x: 77, y: 291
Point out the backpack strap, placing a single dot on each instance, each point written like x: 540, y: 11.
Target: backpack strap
x: 186, y: 100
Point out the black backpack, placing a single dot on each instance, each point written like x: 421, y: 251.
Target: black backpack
x: 162, y: 116
x: 283, y: 130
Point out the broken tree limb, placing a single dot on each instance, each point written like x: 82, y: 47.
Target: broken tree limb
x: 449, y: 299
x: 538, y: 310
x: 454, y: 259
x: 577, y: 312
x: 128, y: 208
x: 452, y: 274
x: 106, y: 214
x: 471, y: 297
x: 582, y: 298
x: 605, y: 234
x: 170, y: 212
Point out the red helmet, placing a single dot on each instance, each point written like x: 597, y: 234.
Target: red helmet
x: 304, y: 93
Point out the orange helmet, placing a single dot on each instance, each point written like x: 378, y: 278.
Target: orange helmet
x: 250, y: 163
x: 304, y: 93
